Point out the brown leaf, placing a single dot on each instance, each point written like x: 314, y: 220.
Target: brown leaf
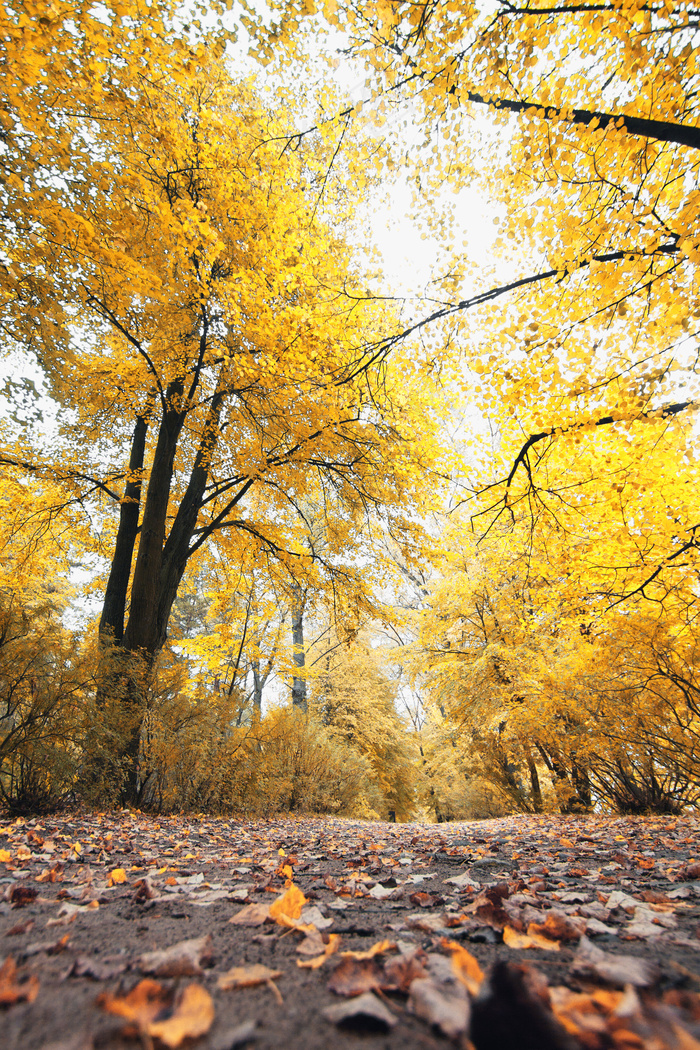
x: 251, y: 915
x: 559, y: 926
x: 401, y: 970
x: 13, y: 991
x: 183, y: 959
x: 20, y: 895
x: 446, y: 1008
x: 20, y: 927
x: 355, y: 976
x: 592, y: 961
x: 363, y: 1011
x: 425, y: 900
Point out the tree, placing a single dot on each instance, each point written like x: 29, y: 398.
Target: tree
x: 591, y: 162
x: 195, y: 316
x: 354, y: 699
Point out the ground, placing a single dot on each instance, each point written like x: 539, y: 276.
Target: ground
x: 546, y: 932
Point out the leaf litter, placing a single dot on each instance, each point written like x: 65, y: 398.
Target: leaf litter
x: 560, y: 933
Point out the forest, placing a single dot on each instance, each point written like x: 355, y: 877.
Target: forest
x: 287, y: 527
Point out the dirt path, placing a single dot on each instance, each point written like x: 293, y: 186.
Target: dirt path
x: 544, y: 932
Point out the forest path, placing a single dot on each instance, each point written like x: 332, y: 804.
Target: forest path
x: 478, y: 933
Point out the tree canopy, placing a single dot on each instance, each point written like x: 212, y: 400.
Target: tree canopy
x: 258, y: 444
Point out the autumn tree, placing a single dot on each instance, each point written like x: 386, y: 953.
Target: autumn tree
x: 579, y: 123
x: 196, y: 317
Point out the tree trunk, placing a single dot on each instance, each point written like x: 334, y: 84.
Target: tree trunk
x: 160, y: 565
x: 299, y: 682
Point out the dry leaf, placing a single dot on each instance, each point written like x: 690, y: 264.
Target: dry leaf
x: 183, y: 959
x: 20, y: 895
x: 13, y: 991
x: 465, y: 967
x: 354, y: 976
x: 193, y: 1017
x: 559, y: 926
x: 189, y: 1017
x: 361, y: 1010
x: 288, y: 906
x: 116, y: 877
x: 446, y: 1008
x: 528, y: 940
x: 247, y: 976
x: 330, y: 949
x: 377, y: 949
x: 400, y: 971
x: 312, y: 943
x: 592, y: 961
x: 251, y: 915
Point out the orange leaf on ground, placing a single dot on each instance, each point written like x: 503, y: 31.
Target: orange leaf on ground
x: 247, y: 976
x: 528, y: 940
x: 377, y: 949
x: 289, y: 905
x: 188, y: 1017
x: 193, y: 1016
x: 465, y: 967
x: 12, y: 991
x: 116, y: 877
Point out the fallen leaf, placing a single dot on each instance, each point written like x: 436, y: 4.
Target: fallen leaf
x: 312, y: 943
x: 154, y: 1012
x: 192, y: 1017
x: 288, y: 906
x: 97, y: 969
x: 247, y: 976
x: 402, y: 970
x: 20, y: 927
x: 377, y: 949
x: 20, y: 895
x: 5, y: 856
x: 116, y: 877
x: 592, y: 961
x: 330, y: 949
x: 354, y: 976
x: 559, y: 927
x: 251, y: 915
x: 13, y: 991
x: 528, y: 940
x: 183, y: 959
x: 446, y: 1008
x: 363, y: 1011
x: 465, y: 967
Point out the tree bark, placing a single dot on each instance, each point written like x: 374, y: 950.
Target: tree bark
x: 299, y: 698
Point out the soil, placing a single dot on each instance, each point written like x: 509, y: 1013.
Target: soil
x: 85, y: 897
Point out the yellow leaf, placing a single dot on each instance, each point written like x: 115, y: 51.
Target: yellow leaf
x: 528, y: 940
x: 117, y: 876
x: 289, y: 905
